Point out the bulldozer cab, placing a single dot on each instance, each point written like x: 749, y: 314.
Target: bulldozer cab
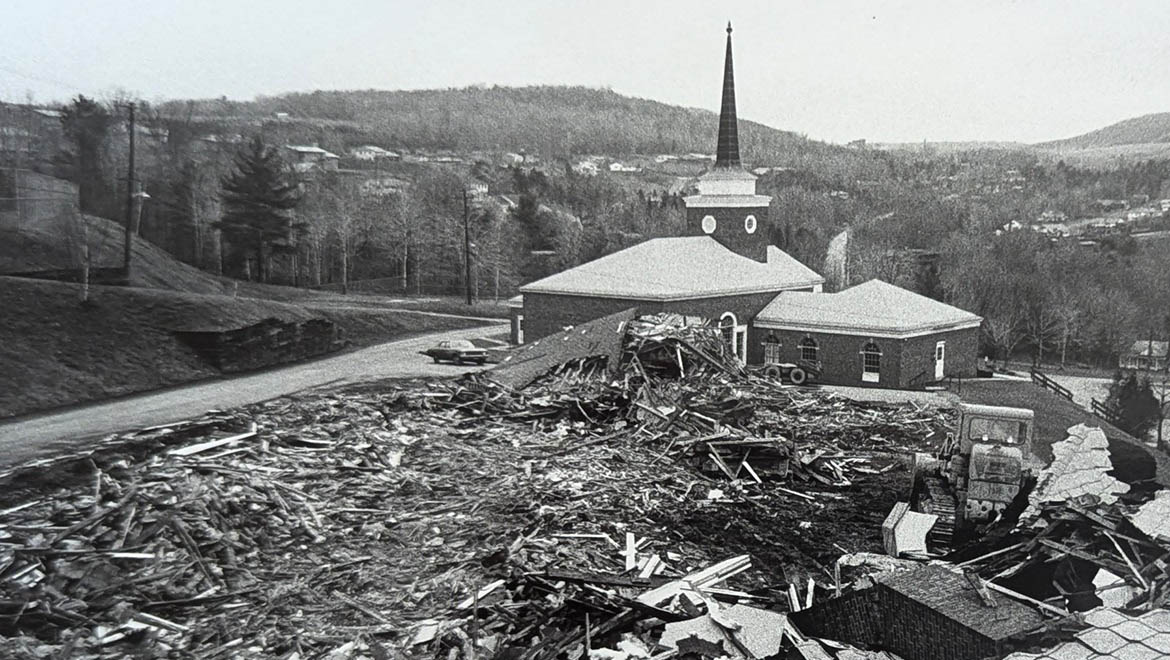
x: 995, y: 425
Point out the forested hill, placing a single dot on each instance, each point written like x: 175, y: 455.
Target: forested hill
x: 1147, y: 129
x: 547, y: 120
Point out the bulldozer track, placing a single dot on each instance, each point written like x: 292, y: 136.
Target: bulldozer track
x: 940, y: 502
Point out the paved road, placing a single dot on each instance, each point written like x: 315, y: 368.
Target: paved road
x: 40, y: 436
x: 878, y: 395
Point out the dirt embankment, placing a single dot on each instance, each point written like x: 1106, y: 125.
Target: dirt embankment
x: 56, y: 350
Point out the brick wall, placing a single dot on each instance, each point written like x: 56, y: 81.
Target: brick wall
x: 882, y: 618
x: 917, y: 632
x: 546, y: 313
x: 729, y: 229
x: 853, y: 618
x: 962, y: 354
x: 902, y: 359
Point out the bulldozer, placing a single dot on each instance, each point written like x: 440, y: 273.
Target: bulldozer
x: 981, y: 469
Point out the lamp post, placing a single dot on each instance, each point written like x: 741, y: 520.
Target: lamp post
x: 140, y: 198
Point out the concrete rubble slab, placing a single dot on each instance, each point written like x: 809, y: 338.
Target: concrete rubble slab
x: 735, y: 630
x: 1153, y: 518
x: 1080, y: 467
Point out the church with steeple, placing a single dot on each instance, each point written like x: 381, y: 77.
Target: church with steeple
x: 727, y: 207
x: 722, y: 270
x: 769, y: 306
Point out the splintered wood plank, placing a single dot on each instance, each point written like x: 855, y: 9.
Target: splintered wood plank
x: 631, y: 552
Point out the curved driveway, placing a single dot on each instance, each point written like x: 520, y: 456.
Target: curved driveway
x: 42, y: 435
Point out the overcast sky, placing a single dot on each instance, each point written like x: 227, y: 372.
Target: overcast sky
x: 886, y: 71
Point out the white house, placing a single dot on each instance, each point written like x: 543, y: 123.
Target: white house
x: 586, y: 168
x: 306, y: 158
x: 372, y: 152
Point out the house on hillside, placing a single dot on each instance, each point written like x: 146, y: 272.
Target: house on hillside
x: 369, y: 152
x: 1052, y: 230
x: 477, y: 189
x: 311, y: 157
x: 586, y: 168
x: 382, y: 186
x: 1050, y: 216
x: 1107, y: 205
x: 30, y: 133
x: 724, y: 272
x: 622, y: 167
x: 1144, y: 355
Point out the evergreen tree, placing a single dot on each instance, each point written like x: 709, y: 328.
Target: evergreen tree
x: 1136, y: 404
x: 86, y: 123
x: 258, y: 199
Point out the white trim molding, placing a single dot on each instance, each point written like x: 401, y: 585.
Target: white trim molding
x: 867, y: 331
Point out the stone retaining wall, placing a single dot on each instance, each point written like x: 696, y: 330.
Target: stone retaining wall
x: 267, y: 343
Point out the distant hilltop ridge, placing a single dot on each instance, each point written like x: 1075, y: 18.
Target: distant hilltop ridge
x: 1147, y: 129
x: 540, y: 119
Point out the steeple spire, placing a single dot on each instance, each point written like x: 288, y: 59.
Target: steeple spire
x: 727, y: 149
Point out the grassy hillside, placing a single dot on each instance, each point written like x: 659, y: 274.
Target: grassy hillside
x: 540, y: 119
x: 1147, y: 129
x: 56, y: 351
x: 35, y: 246
x: 544, y: 119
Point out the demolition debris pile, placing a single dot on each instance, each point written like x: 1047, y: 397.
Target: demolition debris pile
x: 338, y: 524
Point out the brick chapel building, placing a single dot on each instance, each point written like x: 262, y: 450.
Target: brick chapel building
x: 724, y: 271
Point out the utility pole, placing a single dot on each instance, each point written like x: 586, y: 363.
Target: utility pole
x: 466, y: 246
x: 129, y: 200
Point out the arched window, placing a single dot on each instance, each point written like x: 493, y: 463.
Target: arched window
x: 808, y: 349
x: 871, y: 362
x: 772, y: 349
x: 735, y: 335
x: 727, y: 324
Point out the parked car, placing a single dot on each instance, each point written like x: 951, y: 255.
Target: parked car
x: 457, y: 351
x: 797, y: 374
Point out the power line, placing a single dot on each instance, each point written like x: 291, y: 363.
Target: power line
x: 59, y: 83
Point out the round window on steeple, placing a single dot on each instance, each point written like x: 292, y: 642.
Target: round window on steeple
x: 749, y: 224
x: 708, y: 224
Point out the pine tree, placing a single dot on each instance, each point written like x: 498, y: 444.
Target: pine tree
x: 1136, y: 404
x: 86, y: 123
x: 258, y: 197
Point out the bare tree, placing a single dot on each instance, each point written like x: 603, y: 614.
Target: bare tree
x: 1004, y: 329
x: 1067, y: 311
x: 1041, y: 324
x: 84, y: 241
x: 342, y: 212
